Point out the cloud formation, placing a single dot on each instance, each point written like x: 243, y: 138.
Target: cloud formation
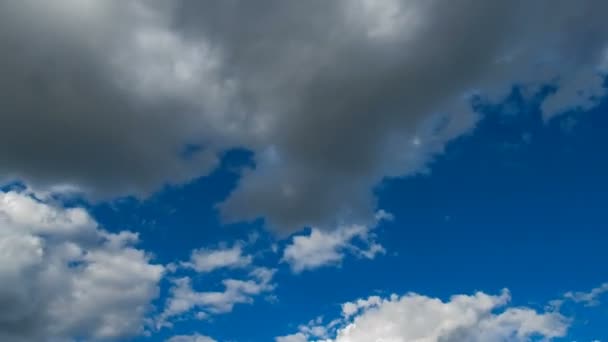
x: 108, y: 97
x: 183, y: 299
x: 206, y: 260
x: 413, y: 317
x: 590, y: 298
x: 323, y: 248
x: 63, y: 277
x: 587, y: 298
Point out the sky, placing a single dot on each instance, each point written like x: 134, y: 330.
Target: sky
x: 346, y: 171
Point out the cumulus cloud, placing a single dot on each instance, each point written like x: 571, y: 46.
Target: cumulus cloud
x: 63, y: 277
x: 414, y: 317
x: 183, y: 299
x: 105, y: 96
x: 207, y: 260
x: 323, y: 248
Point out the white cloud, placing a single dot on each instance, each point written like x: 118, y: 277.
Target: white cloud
x: 413, y: 317
x: 207, y: 260
x: 590, y: 298
x: 64, y: 277
x: 351, y: 308
x: 191, y: 338
x: 297, y: 337
x: 184, y: 299
x: 322, y: 248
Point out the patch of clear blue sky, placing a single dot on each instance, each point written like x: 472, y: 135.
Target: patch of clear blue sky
x: 518, y: 203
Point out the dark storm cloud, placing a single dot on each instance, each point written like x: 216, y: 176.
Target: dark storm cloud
x: 331, y: 96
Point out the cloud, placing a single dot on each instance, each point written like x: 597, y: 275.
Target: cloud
x: 414, y: 317
x: 191, y: 338
x: 297, y: 337
x: 207, y: 260
x: 64, y: 277
x: 184, y: 299
x: 323, y: 248
x: 96, y: 96
x: 374, y: 91
x: 590, y: 298
x: 105, y: 97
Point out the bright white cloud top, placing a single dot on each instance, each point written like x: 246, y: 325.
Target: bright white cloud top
x: 323, y: 248
x: 64, y: 277
x: 413, y: 317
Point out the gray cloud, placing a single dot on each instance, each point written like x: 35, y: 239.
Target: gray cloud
x: 365, y: 89
x: 331, y: 97
x: 86, y: 100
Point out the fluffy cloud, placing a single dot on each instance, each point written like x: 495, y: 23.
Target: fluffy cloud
x: 322, y: 248
x: 207, y: 260
x: 184, y: 299
x: 413, y: 317
x: 63, y: 277
x: 104, y: 96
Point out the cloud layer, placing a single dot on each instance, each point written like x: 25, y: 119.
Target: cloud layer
x: 121, y: 97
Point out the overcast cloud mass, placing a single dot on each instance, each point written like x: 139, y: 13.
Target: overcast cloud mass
x: 104, y: 97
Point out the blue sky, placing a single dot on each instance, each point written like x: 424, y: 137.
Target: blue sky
x: 517, y: 204
x: 238, y: 172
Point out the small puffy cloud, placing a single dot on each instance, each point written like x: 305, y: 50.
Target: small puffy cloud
x: 191, y: 338
x: 413, y: 317
x: 322, y: 248
x: 184, y: 299
x: 206, y: 260
x: 64, y: 277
